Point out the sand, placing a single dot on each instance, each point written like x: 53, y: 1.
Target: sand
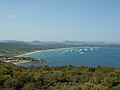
x: 29, y: 53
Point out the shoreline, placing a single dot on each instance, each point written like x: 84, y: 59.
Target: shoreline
x: 32, y: 52
x: 37, y: 51
x: 17, y: 63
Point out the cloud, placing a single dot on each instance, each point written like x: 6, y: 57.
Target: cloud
x: 15, y: 15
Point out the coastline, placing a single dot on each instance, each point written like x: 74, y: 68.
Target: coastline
x: 17, y: 63
x: 37, y: 51
x: 32, y: 52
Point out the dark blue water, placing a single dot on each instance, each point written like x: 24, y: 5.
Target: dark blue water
x: 78, y: 56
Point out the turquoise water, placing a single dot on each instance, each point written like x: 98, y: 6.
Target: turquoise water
x: 78, y: 56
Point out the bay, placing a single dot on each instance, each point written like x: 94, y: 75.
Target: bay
x: 77, y: 56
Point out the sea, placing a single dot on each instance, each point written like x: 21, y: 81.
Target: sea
x: 77, y: 56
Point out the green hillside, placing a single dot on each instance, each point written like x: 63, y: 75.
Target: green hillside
x: 58, y: 78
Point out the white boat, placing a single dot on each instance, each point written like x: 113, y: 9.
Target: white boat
x: 85, y: 49
x: 91, y: 49
x: 81, y: 52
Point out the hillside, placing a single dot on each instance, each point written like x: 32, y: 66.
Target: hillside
x: 13, y: 48
x: 58, y: 78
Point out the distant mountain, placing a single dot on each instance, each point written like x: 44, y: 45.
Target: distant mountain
x: 83, y: 43
x: 35, y: 42
x: 11, y: 41
x: 67, y: 42
x: 42, y: 42
x: 74, y: 42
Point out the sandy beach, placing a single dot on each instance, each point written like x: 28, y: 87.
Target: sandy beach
x: 36, y: 52
x: 17, y: 63
x: 30, y: 53
x: 44, y: 51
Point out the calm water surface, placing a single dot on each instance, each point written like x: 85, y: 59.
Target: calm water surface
x: 78, y: 56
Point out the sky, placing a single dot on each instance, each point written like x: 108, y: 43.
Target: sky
x: 59, y: 20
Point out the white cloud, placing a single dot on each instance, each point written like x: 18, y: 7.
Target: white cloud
x: 15, y: 15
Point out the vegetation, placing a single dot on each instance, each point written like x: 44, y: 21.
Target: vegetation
x: 17, y: 48
x: 14, y: 49
x: 14, y: 77
x: 17, y: 60
x: 58, y: 78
